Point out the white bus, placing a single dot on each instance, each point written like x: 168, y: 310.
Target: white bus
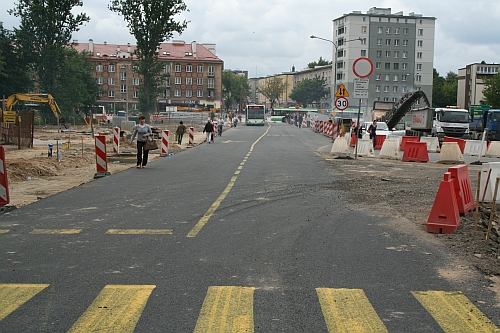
x: 255, y: 115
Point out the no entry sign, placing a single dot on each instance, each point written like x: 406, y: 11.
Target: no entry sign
x: 362, y: 67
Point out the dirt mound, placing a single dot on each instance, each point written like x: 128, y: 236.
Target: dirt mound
x: 22, y: 169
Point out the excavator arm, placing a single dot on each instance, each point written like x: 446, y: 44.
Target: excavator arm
x: 404, y: 105
x: 36, y: 98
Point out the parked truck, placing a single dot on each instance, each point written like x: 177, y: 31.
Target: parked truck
x: 440, y: 122
x: 490, y: 121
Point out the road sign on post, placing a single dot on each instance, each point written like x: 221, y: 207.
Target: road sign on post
x: 341, y: 103
x: 362, y: 67
x: 361, y: 88
x: 342, y: 91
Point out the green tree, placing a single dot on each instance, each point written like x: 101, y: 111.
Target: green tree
x: 15, y: 74
x: 320, y: 62
x: 309, y: 91
x: 444, y: 89
x: 273, y: 89
x: 235, y: 90
x: 491, y: 91
x: 151, y: 22
x: 45, y: 31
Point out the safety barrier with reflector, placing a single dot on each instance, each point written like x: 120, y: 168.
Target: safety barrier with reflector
x: 390, y: 149
x: 101, y: 157
x: 165, y: 139
x: 432, y: 143
x: 116, y: 140
x: 415, y: 152
x: 4, y: 181
x: 463, y: 189
x: 450, y: 153
x: 444, y: 217
x: 460, y: 142
x: 191, y: 136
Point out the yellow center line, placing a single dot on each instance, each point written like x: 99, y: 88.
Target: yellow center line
x: 4, y: 231
x: 201, y: 223
x: 12, y: 296
x: 454, y: 312
x: 139, y: 232
x: 56, y: 231
x: 227, y: 309
x: 348, y: 311
x: 117, y: 308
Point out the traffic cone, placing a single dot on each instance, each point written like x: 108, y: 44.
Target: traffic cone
x: 444, y: 217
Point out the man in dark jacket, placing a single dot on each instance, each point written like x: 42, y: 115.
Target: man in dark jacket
x: 208, y: 130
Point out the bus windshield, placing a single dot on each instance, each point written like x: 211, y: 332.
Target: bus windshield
x: 255, y: 112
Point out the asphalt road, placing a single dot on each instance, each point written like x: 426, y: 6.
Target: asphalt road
x: 247, y: 234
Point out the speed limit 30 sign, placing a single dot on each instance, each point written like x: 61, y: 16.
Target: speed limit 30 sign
x: 341, y: 103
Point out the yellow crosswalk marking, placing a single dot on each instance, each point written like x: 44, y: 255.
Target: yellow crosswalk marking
x: 454, y: 312
x: 227, y: 310
x: 139, y: 232
x: 13, y: 296
x: 117, y: 308
x: 56, y: 231
x: 4, y: 231
x: 348, y: 310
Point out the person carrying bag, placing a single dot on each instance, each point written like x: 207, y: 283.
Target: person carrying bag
x: 144, y: 145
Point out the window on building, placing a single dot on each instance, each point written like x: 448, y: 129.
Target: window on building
x: 405, y: 31
x: 404, y: 66
x: 379, y: 54
x: 111, y: 80
x: 396, y: 30
x: 199, y: 68
x: 395, y: 89
x: 178, y: 68
x: 123, y: 88
x: 363, y: 29
x: 386, y: 99
x: 135, y: 94
x: 380, y: 30
x: 420, y: 43
x: 364, y: 19
x: 189, y: 68
x: 396, y: 66
x: 199, y: 81
x: 405, y: 54
x: 377, y: 77
x: 167, y: 69
x: 418, y: 78
x: 199, y: 93
x: 379, y: 41
x: 211, y: 70
x: 123, y: 66
x: 403, y: 89
x: 395, y: 78
x: 419, y: 55
x: 387, y: 65
x: 123, y: 76
x: 405, y: 42
x: 387, y: 77
x: 178, y: 80
x: 189, y: 81
x: 135, y: 68
x: 396, y: 54
x: 98, y: 68
x: 404, y: 77
x: 136, y: 81
x: 387, y: 54
x: 210, y: 94
x: 363, y: 53
x: 211, y: 83
x: 363, y: 41
x: 378, y: 65
x: 111, y: 68
x: 387, y: 42
x: 419, y: 67
x: 396, y: 42
x: 99, y: 80
x: 111, y: 93
x: 386, y: 88
x: 388, y: 31
x: 189, y: 93
x: 420, y: 32
x: 177, y: 93
x: 167, y: 82
x: 377, y: 88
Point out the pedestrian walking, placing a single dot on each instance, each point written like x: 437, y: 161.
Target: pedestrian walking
x: 143, y: 132
x: 220, y: 126
x: 373, y: 133
x: 235, y: 121
x: 181, y: 129
x: 300, y: 121
x: 208, y: 129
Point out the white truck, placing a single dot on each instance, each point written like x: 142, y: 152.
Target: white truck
x: 440, y: 122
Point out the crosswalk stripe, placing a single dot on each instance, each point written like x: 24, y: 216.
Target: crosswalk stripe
x: 12, y: 296
x: 348, y: 310
x: 117, y: 308
x: 4, y: 231
x: 55, y: 231
x: 454, y: 312
x: 139, y: 232
x: 226, y: 309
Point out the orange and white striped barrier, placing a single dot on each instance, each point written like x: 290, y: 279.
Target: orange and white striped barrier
x: 101, y: 157
x: 191, y: 136
x: 165, y: 140
x: 116, y: 140
x: 4, y: 181
x: 304, y: 122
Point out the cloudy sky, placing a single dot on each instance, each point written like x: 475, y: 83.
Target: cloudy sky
x: 269, y: 36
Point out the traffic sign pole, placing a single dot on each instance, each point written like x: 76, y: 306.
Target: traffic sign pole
x: 362, y: 68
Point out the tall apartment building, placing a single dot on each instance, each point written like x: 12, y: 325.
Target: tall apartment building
x: 471, y: 83
x: 400, y: 46
x: 194, y: 75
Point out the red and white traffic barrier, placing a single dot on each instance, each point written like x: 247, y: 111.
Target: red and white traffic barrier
x: 304, y: 122
x: 191, y: 136
x: 335, y: 131
x: 4, y: 182
x: 101, y: 158
x: 165, y: 140
x: 116, y: 140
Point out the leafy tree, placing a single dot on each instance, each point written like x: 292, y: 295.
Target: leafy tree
x: 151, y: 22
x: 235, y: 89
x: 309, y: 91
x: 491, y: 91
x: 444, y: 90
x: 44, y: 33
x: 273, y: 89
x: 15, y: 74
x: 320, y: 62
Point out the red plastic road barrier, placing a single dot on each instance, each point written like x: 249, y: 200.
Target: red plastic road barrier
x: 415, y: 152
x: 444, y: 217
x: 116, y: 140
x: 4, y: 181
x: 380, y: 141
x: 100, y: 154
x: 406, y: 139
x: 191, y: 136
x: 461, y: 142
x: 164, y: 142
x: 353, y: 140
x: 463, y: 189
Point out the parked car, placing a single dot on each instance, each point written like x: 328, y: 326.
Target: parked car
x: 382, y: 129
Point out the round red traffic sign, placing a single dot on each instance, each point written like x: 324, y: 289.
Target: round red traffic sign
x: 341, y: 103
x: 362, y: 67
x: 297, y: 106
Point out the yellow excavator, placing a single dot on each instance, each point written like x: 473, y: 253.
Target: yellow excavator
x: 35, y: 98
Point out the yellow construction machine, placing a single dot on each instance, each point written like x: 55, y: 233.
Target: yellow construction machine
x: 12, y: 100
